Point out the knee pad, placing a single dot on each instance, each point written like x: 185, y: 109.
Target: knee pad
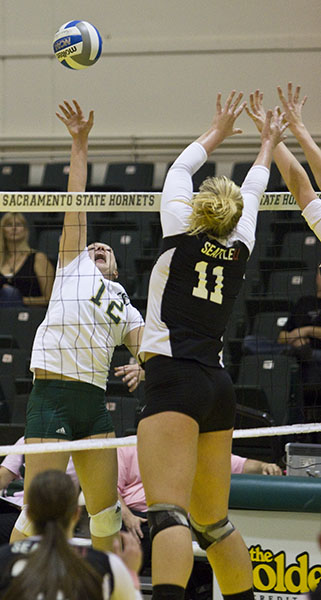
x: 162, y: 516
x: 106, y: 522
x: 23, y: 523
x: 207, y: 535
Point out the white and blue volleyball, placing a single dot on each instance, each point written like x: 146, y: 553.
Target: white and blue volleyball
x: 77, y: 44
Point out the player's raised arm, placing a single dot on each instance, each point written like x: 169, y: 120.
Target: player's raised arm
x: 74, y: 235
x: 292, y: 106
x: 222, y: 125
x: 178, y: 187
x: 292, y: 172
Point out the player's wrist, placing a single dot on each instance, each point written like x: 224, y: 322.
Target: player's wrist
x: 298, y: 129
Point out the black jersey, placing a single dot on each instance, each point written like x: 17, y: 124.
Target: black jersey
x: 204, y: 279
x: 13, y: 560
x: 196, y: 279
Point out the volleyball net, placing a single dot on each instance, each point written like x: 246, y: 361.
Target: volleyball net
x: 278, y: 388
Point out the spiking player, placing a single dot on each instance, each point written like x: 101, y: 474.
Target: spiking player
x: 88, y: 315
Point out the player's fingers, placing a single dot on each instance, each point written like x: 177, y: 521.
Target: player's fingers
x: 296, y: 93
x: 281, y: 95
x: 237, y: 101
x: 219, y: 102
x: 70, y: 108
x: 229, y: 99
x: 290, y: 91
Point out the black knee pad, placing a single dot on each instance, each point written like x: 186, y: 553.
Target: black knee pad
x: 162, y: 516
x: 207, y: 535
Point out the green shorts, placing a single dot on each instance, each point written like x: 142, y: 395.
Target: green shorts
x: 67, y: 410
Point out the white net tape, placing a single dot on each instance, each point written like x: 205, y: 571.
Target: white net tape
x: 103, y: 443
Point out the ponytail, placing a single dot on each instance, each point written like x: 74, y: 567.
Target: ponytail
x: 54, y: 569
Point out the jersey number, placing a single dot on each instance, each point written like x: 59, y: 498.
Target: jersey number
x: 201, y: 290
x: 119, y: 306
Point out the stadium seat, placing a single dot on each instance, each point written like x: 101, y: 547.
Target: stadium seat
x: 269, y: 324
x: 264, y: 333
x: 129, y: 177
x: 55, y: 176
x: 13, y: 363
x: 290, y: 285
x: 142, y: 284
x: 278, y: 377
x: 126, y: 245
x: 14, y: 176
x: 21, y: 324
x: 11, y: 432
x: 123, y: 411
x: 19, y: 408
x: 48, y: 242
x: 307, y: 167
x: 206, y: 170
x: 302, y: 245
x: 241, y: 169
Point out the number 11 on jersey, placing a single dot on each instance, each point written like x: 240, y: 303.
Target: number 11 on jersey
x: 201, y: 290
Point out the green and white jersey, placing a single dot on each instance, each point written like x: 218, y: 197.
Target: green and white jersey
x: 87, y: 317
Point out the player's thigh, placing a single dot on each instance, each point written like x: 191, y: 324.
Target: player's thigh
x: 167, y: 454
x: 37, y: 463
x: 209, y: 501
x: 97, y: 472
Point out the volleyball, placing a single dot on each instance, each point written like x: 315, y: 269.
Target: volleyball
x: 77, y: 45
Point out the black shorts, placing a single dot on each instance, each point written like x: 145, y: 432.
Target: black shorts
x: 204, y: 393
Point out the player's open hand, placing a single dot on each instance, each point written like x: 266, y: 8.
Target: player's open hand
x: 74, y: 119
x: 292, y: 105
x: 256, y: 109
x: 226, y: 115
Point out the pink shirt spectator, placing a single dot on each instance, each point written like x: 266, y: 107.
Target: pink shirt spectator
x: 237, y: 464
x: 13, y: 463
x: 130, y: 485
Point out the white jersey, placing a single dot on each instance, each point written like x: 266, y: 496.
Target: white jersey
x: 87, y: 317
x: 196, y: 279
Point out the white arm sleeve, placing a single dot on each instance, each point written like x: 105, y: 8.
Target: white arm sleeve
x: 178, y: 189
x: 312, y: 215
x: 252, y: 189
x: 123, y: 583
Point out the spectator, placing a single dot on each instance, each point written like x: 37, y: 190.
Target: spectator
x: 11, y: 487
x: 302, y: 336
x: 26, y: 276
x: 51, y: 566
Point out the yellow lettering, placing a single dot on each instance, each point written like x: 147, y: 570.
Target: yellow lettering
x: 270, y: 574
x: 302, y: 571
x: 280, y: 568
x: 268, y: 556
x: 205, y: 248
x: 314, y: 577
